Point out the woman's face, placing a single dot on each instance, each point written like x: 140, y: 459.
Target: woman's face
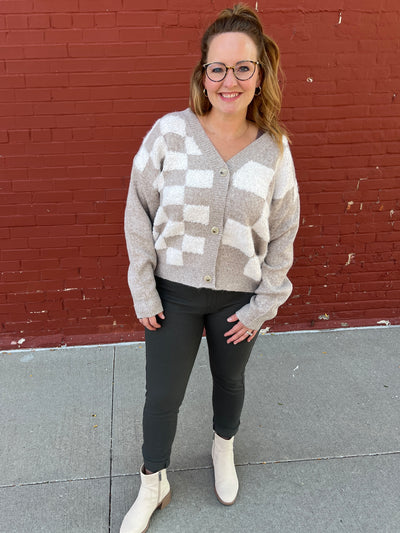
x: 231, y: 96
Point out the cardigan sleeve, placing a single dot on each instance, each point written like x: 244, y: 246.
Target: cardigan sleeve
x: 275, y: 287
x: 141, y: 206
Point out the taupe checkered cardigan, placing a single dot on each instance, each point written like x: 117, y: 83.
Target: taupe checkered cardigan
x: 193, y: 218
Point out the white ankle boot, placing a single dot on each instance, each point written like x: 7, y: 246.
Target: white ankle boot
x: 226, y: 480
x: 154, y: 493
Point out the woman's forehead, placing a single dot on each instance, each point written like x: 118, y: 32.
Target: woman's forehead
x: 231, y: 47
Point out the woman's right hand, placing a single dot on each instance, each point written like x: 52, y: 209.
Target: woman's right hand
x: 151, y: 323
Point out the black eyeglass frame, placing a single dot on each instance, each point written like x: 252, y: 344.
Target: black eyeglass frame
x: 206, y: 65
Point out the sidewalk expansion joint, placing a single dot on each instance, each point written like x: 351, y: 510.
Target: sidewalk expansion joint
x: 206, y: 467
x: 281, y: 461
x: 325, y: 458
x: 111, y: 442
x: 52, y: 481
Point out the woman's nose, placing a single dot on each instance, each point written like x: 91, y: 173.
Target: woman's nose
x: 230, y: 79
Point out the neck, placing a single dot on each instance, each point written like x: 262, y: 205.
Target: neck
x: 228, y: 126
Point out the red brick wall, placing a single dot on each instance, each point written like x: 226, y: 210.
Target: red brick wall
x: 81, y: 81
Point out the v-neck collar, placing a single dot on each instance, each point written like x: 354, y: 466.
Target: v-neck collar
x: 206, y: 142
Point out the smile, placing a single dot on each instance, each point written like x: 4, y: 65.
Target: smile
x: 229, y: 95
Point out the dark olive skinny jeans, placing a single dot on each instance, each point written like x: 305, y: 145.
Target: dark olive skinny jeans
x: 170, y: 355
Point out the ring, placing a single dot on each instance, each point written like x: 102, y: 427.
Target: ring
x: 249, y: 332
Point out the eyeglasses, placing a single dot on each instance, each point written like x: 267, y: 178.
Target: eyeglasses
x: 243, y: 70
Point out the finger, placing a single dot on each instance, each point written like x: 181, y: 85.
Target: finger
x: 153, y: 322
x: 243, y: 335
x: 232, y: 318
x: 238, y: 334
x: 233, y: 330
x: 251, y: 337
x: 161, y: 315
x: 239, y: 337
x: 147, y: 324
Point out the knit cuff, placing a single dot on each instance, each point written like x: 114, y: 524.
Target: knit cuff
x: 149, y: 306
x: 251, y: 319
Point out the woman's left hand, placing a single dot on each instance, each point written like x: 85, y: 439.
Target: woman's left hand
x: 239, y: 332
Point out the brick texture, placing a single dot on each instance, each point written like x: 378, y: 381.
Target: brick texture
x: 81, y: 81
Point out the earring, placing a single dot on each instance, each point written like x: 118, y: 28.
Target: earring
x: 257, y: 92
x: 205, y: 92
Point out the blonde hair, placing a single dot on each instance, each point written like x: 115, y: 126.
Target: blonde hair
x: 264, y: 109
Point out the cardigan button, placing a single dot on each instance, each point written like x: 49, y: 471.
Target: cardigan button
x: 207, y: 278
x: 215, y: 230
x: 223, y: 172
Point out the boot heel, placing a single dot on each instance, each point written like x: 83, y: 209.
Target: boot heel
x: 165, y: 501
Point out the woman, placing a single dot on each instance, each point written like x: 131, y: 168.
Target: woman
x: 211, y: 216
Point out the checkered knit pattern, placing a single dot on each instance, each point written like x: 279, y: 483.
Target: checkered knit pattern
x: 193, y: 218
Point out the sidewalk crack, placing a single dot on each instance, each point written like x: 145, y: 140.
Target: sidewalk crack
x: 111, y: 441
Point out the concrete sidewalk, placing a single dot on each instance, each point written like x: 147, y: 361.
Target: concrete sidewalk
x: 318, y: 450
